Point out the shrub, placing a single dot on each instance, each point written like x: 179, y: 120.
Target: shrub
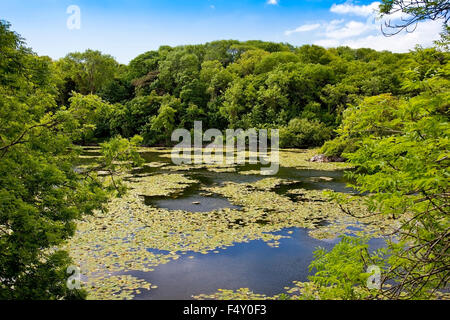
x: 304, y: 133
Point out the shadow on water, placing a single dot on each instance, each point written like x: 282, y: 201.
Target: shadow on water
x: 253, y: 265
x: 192, y: 199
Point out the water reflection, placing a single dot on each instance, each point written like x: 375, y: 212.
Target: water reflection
x: 253, y: 265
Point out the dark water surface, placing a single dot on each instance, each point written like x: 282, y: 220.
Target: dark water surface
x: 253, y: 265
x: 196, y: 203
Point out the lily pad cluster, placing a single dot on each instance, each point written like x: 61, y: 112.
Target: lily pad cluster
x: 299, y: 159
x: 311, y: 209
x: 298, y: 291
x: 117, y: 287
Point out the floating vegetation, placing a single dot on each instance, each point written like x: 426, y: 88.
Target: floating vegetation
x: 220, y: 170
x: 299, y: 159
x: 270, y: 183
x: 299, y: 291
x: 155, y: 164
x: 319, y: 179
x: 116, y: 287
x: 240, y: 294
x: 159, y: 184
x: 310, y: 209
x: 133, y: 236
x: 250, y: 172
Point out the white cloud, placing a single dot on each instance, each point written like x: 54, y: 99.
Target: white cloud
x: 273, y: 2
x: 349, y: 8
x: 336, y: 22
x: 351, y: 29
x: 303, y: 28
x: 360, y: 27
x: 425, y: 34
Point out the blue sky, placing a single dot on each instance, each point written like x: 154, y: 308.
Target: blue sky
x: 126, y: 28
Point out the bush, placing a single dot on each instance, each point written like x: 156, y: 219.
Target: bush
x: 337, y: 147
x: 303, y: 133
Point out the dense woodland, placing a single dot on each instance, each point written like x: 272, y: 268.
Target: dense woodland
x: 386, y: 113
x: 229, y: 84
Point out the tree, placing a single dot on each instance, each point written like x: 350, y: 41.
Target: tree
x: 91, y: 70
x: 41, y: 193
x: 342, y: 273
x: 314, y: 54
x: 303, y: 133
x: 376, y: 111
x: 402, y: 164
x: 118, y: 90
x: 164, y: 122
x: 119, y: 155
x: 178, y: 69
x: 268, y: 63
x: 143, y: 64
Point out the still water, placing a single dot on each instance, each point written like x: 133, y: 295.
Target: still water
x: 255, y: 265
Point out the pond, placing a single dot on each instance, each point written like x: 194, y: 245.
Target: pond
x: 242, y: 257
